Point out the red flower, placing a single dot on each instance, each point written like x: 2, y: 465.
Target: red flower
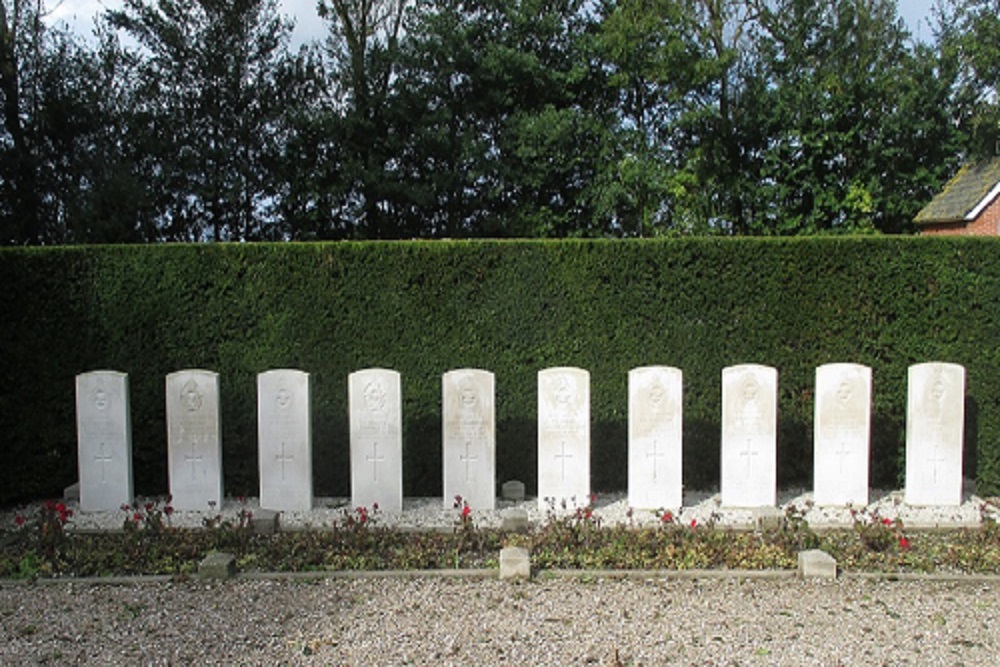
x: 137, y: 517
x: 694, y: 523
x: 375, y: 507
x: 466, y: 511
x: 149, y: 507
x: 904, y: 544
x: 168, y: 510
x: 886, y: 522
x: 667, y: 517
x: 19, y: 520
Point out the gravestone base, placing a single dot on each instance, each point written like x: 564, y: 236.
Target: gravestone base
x: 217, y: 566
x: 514, y: 520
x: 515, y: 563
x: 768, y: 518
x: 816, y: 564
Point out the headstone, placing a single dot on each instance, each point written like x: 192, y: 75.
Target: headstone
x: 749, y: 436
x: 469, y: 438
x: 104, y: 440
x: 563, y: 437
x: 935, y: 423
x: 655, y: 433
x: 194, y: 440
x: 842, y: 434
x: 374, y: 398
x: 284, y: 434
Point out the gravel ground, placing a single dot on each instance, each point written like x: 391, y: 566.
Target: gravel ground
x: 413, y: 620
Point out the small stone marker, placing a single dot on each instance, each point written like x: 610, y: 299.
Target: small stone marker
x: 515, y: 563
x: 374, y: 398
x: 284, y: 433
x: 817, y: 564
x: 842, y: 434
x: 655, y: 433
x: 469, y: 438
x: 935, y: 424
x: 512, y: 490
x: 194, y: 440
x: 749, y: 436
x: 563, y: 437
x: 217, y: 565
x: 104, y: 440
x: 264, y: 522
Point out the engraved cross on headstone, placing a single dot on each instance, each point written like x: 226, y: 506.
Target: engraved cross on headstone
x: 749, y: 453
x: 103, y: 458
x: 936, y: 459
x: 842, y: 453
x: 193, y: 460
x: 375, y: 459
x: 467, y: 459
x: 563, y: 456
x: 655, y: 454
x: 283, y: 458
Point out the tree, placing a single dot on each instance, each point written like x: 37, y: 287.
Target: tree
x: 968, y: 33
x: 210, y: 107
x: 21, y: 37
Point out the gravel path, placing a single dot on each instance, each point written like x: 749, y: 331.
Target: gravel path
x: 445, y: 621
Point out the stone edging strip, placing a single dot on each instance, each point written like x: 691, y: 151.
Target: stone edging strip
x: 541, y: 575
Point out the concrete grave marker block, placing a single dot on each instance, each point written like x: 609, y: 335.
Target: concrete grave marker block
x: 935, y: 425
x: 655, y: 435
x: 469, y: 437
x: 817, y: 564
x: 194, y: 440
x: 563, y: 437
x: 376, y: 413
x: 104, y: 440
x: 515, y: 563
x: 842, y: 434
x: 284, y: 434
x: 749, y: 436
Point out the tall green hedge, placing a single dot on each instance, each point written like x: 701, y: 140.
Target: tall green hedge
x: 514, y: 308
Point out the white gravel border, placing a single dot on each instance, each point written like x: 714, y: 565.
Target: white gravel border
x: 700, y: 507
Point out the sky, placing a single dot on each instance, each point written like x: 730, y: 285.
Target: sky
x: 79, y: 14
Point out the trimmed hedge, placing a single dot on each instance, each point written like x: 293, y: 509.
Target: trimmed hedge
x: 514, y: 308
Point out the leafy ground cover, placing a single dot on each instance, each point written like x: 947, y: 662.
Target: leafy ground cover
x: 40, y: 546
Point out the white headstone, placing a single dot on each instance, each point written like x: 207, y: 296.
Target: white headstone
x: 284, y: 434
x: 104, y: 439
x: 935, y: 424
x: 194, y: 440
x: 469, y: 438
x: 655, y: 434
x: 563, y: 437
x: 374, y: 398
x: 749, y: 436
x: 842, y: 434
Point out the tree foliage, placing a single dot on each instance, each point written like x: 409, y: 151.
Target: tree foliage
x: 198, y: 120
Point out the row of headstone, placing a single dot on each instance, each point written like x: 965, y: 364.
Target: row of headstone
x: 934, y: 430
